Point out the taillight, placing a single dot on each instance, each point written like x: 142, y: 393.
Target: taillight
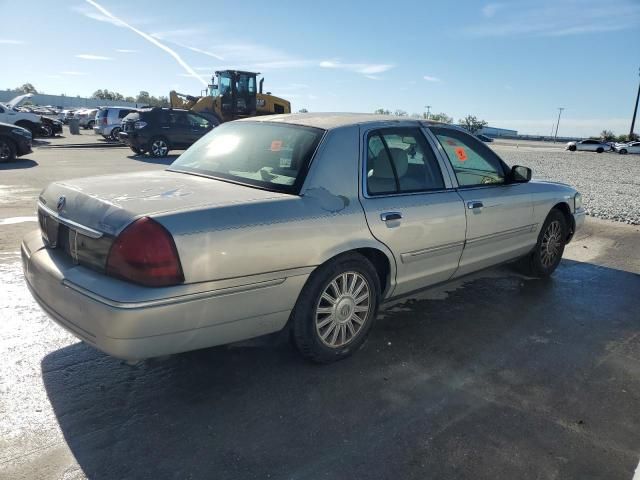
x: 145, y: 253
x: 104, y: 121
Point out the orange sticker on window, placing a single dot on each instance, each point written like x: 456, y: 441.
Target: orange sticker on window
x: 276, y: 145
x: 461, y: 154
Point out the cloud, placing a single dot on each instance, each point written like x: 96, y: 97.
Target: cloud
x: 178, y: 33
x: 90, y: 56
x: 11, y: 41
x: 490, y: 9
x: 126, y: 50
x: 93, y: 15
x: 72, y: 72
x: 151, y: 40
x: 203, y: 52
x: 429, y: 78
x: 362, y: 68
x: 552, y: 18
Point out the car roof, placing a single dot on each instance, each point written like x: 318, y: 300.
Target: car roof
x: 329, y: 120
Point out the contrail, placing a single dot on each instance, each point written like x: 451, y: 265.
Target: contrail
x: 149, y: 38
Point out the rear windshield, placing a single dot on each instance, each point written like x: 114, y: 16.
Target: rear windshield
x: 102, y: 113
x: 266, y: 155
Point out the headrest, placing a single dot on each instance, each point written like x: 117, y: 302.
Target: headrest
x: 382, y: 167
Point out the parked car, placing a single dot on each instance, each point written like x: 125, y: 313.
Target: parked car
x: 9, y: 113
x: 159, y: 130
x: 629, y: 147
x: 484, y: 138
x: 49, y: 127
x: 14, y: 142
x: 108, y: 120
x: 86, y: 117
x: 588, y: 145
x: 65, y: 115
x: 307, y: 222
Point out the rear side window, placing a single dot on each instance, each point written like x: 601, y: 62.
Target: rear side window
x: 123, y: 113
x: 399, y: 160
x: 473, y: 162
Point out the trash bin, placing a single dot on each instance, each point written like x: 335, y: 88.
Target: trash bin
x: 74, y: 126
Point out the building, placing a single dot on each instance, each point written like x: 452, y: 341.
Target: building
x: 498, y: 132
x: 62, y: 101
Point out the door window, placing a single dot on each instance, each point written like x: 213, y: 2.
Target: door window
x: 197, y: 122
x: 473, y: 162
x: 399, y: 160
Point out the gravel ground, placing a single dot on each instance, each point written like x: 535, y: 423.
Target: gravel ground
x: 609, y: 182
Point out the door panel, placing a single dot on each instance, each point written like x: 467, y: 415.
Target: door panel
x: 499, y: 230
x: 426, y: 242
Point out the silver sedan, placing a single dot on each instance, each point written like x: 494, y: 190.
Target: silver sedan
x: 305, y: 222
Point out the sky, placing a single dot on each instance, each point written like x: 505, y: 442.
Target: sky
x: 510, y: 63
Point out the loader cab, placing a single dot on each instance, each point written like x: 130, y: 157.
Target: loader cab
x: 237, y: 92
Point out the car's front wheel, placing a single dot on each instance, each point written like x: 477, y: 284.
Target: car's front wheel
x: 572, y: 148
x: 546, y: 255
x: 159, y: 147
x: 623, y: 151
x: 136, y: 150
x: 336, y: 309
x: 7, y: 150
x: 114, y: 134
x: 600, y: 150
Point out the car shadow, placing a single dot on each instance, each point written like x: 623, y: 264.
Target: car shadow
x: 18, y: 164
x: 501, y: 377
x: 168, y: 160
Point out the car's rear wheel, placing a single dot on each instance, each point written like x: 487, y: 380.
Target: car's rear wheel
x: 572, y: 148
x: 114, y: 133
x: 546, y: 255
x: 600, y: 150
x: 336, y: 309
x: 90, y: 124
x: 623, y: 151
x: 7, y: 150
x: 158, y: 147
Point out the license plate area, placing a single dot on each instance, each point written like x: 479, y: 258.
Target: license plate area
x: 49, y: 227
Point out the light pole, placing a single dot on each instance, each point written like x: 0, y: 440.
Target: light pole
x: 428, y: 107
x: 635, y: 110
x: 560, y: 109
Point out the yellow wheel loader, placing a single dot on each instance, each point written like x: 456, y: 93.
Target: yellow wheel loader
x: 232, y: 94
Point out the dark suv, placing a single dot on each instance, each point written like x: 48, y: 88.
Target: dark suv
x: 158, y: 130
x: 14, y: 142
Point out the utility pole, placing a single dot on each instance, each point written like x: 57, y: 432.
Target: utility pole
x: 428, y: 107
x: 560, y: 109
x: 635, y: 110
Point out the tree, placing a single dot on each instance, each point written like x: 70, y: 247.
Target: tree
x: 143, y: 97
x: 303, y: 110
x: 607, y: 135
x: 441, y: 117
x: 26, y: 88
x: 471, y: 123
x: 129, y: 99
x: 382, y: 111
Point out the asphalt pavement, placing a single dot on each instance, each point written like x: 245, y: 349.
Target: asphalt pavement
x: 494, y: 376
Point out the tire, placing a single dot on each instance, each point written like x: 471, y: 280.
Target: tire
x: 7, y: 150
x: 137, y: 151
x: 47, y: 130
x: 159, y: 147
x: 90, y: 125
x: 600, y: 150
x: 323, y: 322
x: 623, y: 151
x: 114, y: 134
x: 572, y: 148
x: 547, y: 253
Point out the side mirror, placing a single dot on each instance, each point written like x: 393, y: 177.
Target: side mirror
x: 520, y: 174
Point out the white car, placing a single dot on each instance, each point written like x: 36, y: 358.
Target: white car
x: 588, y: 145
x: 86, y: 117
x: 629, y: 147
x: 9, y: 113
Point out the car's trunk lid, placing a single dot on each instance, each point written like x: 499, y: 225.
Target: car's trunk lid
x: 109, y: 203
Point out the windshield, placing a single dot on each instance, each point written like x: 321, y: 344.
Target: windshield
x: 262, y: 154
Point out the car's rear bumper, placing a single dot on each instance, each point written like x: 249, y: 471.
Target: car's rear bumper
x: 146, y: 328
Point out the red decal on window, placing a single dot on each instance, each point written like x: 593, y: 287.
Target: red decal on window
x: 276, y: 145
x: 461, y: 154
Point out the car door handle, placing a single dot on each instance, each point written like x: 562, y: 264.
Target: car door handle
x: 389, y: 216
x: 474, y: 204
